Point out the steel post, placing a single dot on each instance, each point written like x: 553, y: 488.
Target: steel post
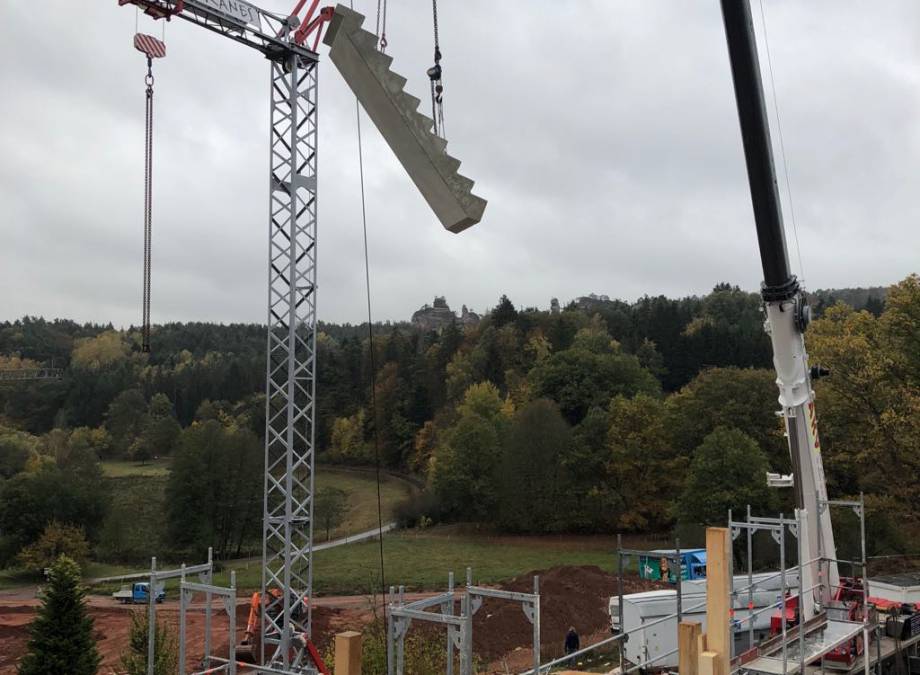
x: 782, y: 571
x: 466, y: 637
x: 182, y: 622
x: 209, y: 580
x: 231, y: 609
x: 391, y: 634
x: 448, y: 608
x: 750, y: 571
x: 152, y: 617
x: 679, y: 578
x: 800, y: 549
x: 620, y: 596
x: 536, y: 624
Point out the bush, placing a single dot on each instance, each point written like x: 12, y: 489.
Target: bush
x: 165, y: 651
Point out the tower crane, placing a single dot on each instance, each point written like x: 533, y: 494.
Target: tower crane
x: 284, y: 40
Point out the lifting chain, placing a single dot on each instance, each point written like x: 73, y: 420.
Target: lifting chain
x: 148, y: 203
x: 434, y: 74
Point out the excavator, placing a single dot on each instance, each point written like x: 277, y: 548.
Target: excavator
x: 247, y: 650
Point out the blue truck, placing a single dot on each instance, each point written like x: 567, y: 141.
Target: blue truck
x: 138, y: 593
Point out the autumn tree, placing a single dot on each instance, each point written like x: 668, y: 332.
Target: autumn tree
x: 645, y: 472
x: 728, y: 471
x: 464, y: 466
x: 56, y: 540
x: 347, y: 444
x: 589, y: 374
x: 869, y: 406
x: 744, y: 398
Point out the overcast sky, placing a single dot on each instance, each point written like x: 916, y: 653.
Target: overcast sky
x: 603, y: 134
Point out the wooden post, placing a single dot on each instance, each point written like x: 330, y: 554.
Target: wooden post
x: 688, y: 639
x: 711, y: 662
x: 348, y: 653
x: 718, y: 592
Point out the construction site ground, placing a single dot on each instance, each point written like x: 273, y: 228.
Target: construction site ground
x: 570, y: 596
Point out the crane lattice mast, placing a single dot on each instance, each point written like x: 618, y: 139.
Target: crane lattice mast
x: 287, y: 545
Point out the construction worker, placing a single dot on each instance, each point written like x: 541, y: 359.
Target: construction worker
x: 572, y: 643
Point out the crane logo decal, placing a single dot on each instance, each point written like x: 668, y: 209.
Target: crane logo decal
x: 813, y: 427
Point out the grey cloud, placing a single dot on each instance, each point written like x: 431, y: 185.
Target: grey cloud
x: 603, y: 135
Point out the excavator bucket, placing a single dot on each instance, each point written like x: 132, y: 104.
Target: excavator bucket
x: 247, y: 648
x: 408, y: 133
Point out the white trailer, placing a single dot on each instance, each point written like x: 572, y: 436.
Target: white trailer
x: 659, y: 640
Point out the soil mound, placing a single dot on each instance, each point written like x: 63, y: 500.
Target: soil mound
x: 569, y: 596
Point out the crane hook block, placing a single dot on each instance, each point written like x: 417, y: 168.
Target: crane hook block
x: 395, y: 113
x: 149, y: 45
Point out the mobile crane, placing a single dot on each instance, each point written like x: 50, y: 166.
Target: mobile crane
x: 787, y: 314
x: 287, y: 542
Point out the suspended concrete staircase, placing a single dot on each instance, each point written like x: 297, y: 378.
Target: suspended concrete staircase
x: 395, y: 113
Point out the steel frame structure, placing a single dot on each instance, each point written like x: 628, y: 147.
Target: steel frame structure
x: 459, y: 627
x: 400, y: 616
x: 187, y: 590
x: 530, y: 604
x: 287, y: 543
x: 205, y: 572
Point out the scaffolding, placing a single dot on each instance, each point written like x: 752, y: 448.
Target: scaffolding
x: 812, y: 638
x: 795, y: 647
x: 187, y: 589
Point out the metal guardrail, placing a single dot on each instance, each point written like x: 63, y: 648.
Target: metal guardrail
x: 28, y: 374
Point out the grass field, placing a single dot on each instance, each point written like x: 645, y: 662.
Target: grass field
x: 17, y: 578
x: 361, y: 489
x: 421, y: 560
x: 136, y: 520
x: 122, y: 469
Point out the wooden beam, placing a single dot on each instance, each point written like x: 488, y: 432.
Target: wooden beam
x: 348, y: 653
x: 718, y: 591
x: 688, y: 639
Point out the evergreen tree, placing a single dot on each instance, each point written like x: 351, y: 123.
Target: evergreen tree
x: 62, y: 633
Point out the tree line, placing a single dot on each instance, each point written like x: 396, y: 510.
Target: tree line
x: 600, y: 416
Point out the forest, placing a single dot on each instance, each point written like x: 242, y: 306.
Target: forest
x: 597, y: 417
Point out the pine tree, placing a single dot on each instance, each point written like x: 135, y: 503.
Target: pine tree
x: 62, y: 634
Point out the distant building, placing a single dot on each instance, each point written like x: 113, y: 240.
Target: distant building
x: 438, y: 315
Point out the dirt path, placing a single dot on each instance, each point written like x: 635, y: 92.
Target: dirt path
x: 570, y: 596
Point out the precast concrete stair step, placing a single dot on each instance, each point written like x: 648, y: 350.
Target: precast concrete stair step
x: 422, y: 154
